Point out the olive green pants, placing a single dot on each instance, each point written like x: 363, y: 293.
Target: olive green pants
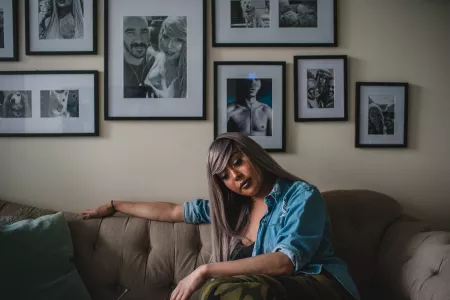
x: 263, y: 287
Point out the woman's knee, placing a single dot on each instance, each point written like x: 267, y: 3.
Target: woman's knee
x: 231, y: 288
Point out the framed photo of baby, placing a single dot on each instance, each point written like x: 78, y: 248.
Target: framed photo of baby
x: 155, y: 54
x: 61, y: 27
x: 320, y: 88
x: 9, y: 47
x: 250, y: 99
x: 274, y: 23
x: 49, y: 103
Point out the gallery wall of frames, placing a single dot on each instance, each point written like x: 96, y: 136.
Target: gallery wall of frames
x: 155, y: 68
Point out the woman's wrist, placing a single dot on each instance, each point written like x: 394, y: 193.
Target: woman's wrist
x: 204, y: 271
x: 113, y: 207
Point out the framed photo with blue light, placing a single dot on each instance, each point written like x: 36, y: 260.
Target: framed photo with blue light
x: 250, y: 98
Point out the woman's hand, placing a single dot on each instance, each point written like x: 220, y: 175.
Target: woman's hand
x: 190, y: 284
x: 99, y: 212
x: 165, y: 91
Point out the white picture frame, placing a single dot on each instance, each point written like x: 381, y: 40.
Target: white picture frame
x: 160, y: 74
x: 49, y: 103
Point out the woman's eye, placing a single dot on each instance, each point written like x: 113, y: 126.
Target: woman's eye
x: 238, y: 162
x: 224, y: 177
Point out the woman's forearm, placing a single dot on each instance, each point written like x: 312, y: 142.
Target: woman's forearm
x: 155, y: 211
x: 274, y: 264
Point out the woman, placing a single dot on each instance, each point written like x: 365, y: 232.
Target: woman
x: 168, y: 75
x: 270, y: 230
x: 61, y: 19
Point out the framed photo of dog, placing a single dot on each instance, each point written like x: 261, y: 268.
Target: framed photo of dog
x: 60, y: 27
x: 320, y: 88
x: 9, y: 47
x: 155, y: 60
x: 274, y: 23
x: 49, y: 103
x: 381, y: 115
x: 250, y: 98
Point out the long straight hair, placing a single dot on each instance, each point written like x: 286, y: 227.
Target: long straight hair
x: 230, y: 211
x: 52, y: 31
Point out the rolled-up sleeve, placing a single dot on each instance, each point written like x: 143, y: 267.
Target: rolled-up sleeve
x: 302, y: 232
x: 197, y: 212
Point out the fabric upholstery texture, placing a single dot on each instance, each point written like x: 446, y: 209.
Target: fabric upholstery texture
x: 36, y: 261
x: 369, y: 232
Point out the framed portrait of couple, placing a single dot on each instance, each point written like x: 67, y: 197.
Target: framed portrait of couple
x: 250, y: 98
x: 60, y: 27
x: 155, y: 60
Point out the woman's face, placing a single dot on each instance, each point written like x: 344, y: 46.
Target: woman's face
x: 241, y: 176
x: 171, y: 46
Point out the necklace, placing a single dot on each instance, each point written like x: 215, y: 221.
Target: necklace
x: 136, y: 75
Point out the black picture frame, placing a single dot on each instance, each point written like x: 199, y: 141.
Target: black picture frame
x: 390, y: 128
x: 95, y: 105
x: 30, y: 52
x: 107, y: 72
x: 15, y: 34
x: 280, y: 111
x: 216, y: 43
x: 338, y: 108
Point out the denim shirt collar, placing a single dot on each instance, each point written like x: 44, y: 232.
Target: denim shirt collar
x: 277, y: 190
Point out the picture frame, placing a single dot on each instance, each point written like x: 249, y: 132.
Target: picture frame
x: 263, y: 85
x: 49, y: 103
x: 274, y: 23
x: 381, y: 115
x: 170, y: 82
x: 9, y: 41
x: 77, y: 34
x: 320, y: 88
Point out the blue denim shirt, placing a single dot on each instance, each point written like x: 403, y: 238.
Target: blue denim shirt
x: 297, y: 224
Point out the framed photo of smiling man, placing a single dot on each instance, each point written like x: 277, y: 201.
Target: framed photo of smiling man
x: 250, y: 99
x: 155, y: 60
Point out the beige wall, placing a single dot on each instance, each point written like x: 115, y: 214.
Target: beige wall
x: 386, y: 40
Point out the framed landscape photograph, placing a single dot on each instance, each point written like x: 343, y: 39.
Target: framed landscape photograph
x: 61, y: 27
x: 9, y: 47
x: 155, y: 60
x: 49, y: 103
x: 274, y: 23
x: 250, y: 98
x: 381, y: 115
x: 320, y: 88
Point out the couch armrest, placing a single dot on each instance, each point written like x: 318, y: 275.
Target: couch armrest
x: 414, y: 262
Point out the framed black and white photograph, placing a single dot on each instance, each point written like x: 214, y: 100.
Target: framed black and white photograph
x: 61, y: 27
x: 381, y: 115
x: 320, y: 88
x: 155, y: 60
x: 9, y: 47
x: 49, y: 103
x: 274, y: 23
x: 250, y: 98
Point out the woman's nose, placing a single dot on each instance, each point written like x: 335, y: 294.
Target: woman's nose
x: 236, y: 175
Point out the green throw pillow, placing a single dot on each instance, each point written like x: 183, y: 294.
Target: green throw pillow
x: 36, y: 261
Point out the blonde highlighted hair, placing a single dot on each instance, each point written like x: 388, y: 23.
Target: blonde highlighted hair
x: 230, y: 211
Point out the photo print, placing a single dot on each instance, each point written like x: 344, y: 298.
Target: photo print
x: 249, y: 106
x: 60, y: 104
x: 61, y: 19
x: 250, y: 13
x: 15, y: 104
x: 2, y: 30
x: 320, y: 88
x: 298, y: 14
x: 381, y: 115
x: 155, y: 57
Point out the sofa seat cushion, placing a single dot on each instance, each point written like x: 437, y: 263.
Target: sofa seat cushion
x: 36, y: 260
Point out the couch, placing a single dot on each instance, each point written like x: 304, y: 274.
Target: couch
x: 390, y: 255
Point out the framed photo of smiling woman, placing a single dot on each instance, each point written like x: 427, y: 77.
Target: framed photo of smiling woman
x: 61, y: 27
x: 155, y: 60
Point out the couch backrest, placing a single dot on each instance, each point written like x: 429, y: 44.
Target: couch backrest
x: 150, y: 258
